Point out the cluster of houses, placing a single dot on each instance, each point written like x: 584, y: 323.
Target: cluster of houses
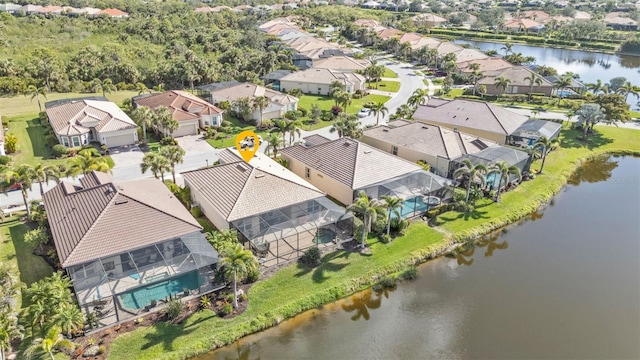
x: 50, y: 10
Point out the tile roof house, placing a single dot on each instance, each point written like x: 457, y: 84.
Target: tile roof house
x: 31, y: 9
x: 536, y: 15
x: 11, y: 8
x: 368, y: 23
x: 520, y: 81
x: 430, y: 20
x: 115, y: 239
x: 191, y: 112
x: 77, y: 122
x: 277, y: 214
x: 279, y: 104
x: 621, y: 23
x: 344, y: 167
x: 342, y: 63
x: 316, y: 48
x: 113, y: 13
x: 486, y: 65
x: 51, y: 10
x: 477, y: 118
x: 435, y: 145
x: 388, y: 33
x: 318, y: 81
x: 523, y: 25
x: 465, y: 55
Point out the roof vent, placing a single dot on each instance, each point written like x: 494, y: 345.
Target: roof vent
x: 240, y: 167
x: 120, y: 202
x: 385, y: 130
x: 346, y: 143
x: 466, y: 119
x: 368, y: 151
x: 258, y: 176
x: 425, y: 127
x: 454, y: 116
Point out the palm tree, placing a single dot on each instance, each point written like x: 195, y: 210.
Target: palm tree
x: 23, y: 175
x: 344, y: 99
x: 87, y: 161
x: 35, y: 92
x: 533, y: 79
x: 155, y: 162
x: 69, y: 318
x: 628, y: 88
x: 274, y: 142
x: 142, y: 88
x: 589, y: 115
x: 419, y: 97
x: 143, y: 116
x: 52, y: 341
x: 393, y: 205
x: 370, y: 210
x: 281, y: 127
x: 504, y: 170
x: 596, y: 87
x: 546, y: 145
x: 9, y: 331
x: 260, y: 103
x: 562, y: 83
x: 174, y: 155
x: 346, y: 125
x: 502, y: 83
x: 104, y: 86
x: 379, y: 109
x: 163, y: 118
x: 471, y: 173
x: 507, y: 48
x: 294, y: 127
x: 236, y: 264
x: 44, y: 173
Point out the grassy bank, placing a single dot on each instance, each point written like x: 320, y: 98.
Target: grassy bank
x: 384, y: 85
x: 295, y: 289
x: 289, y: 292
x: 23, y: 105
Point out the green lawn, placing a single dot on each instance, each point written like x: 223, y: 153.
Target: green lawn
x: 223, y: 140
x: 289, y: 291
x: 21, y: 105
x: 438, y: 81
x: 391, y: 86
x: 32, y: 147
x: 325, y: 102
x: 14, y: 251
x: 388, y: 73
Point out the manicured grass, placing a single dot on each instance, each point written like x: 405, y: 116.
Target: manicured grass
x: 388, y: 73
x: 438, y: 81
x: 391, y: 86
x: 454, y: 93
x: 21, y: 105
x: 290, y: 291
x: 530, y: 194
x: 14, y: 251
x: 635, y: 114
x: 224, y: 140
x: 32, y: 147
x: 325, y: 102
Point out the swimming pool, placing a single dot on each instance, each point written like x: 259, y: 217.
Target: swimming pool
x: 417, y: 205
x: 324, y: 236
x: 141, y: 297
x: 564, y: 93
x: 493, y: 181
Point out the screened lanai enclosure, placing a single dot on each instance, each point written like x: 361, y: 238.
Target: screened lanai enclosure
x: 420, y: 190
x: 494, y: 154
x: 284, y: 234
x: 120, y: 286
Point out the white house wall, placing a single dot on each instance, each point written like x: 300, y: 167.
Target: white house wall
x: 207, y: 208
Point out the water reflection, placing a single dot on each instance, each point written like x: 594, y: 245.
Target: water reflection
x: 362, y: 302
x: 538, y: 214
x: 464, y: 256
x: 594, y: 170
x: 243, y: 352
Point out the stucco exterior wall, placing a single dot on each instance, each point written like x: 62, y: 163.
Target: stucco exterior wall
x: 332, y: 187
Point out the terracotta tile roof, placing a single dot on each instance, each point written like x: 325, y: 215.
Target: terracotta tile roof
x: 410, y: 37
x: 251, y: 91
x: 351, y: 162
x: 51, y: 9
x: 113, y: 13
x: 536, y: 15
x: 79, y: 116
x: 88, y: 223
x: 238, y: 190
x: 472, y: 114
x: 366, y: 23
x: 522, y: 23
x: 429, y: 139
x: 388, y: 33
x: 183, y: 105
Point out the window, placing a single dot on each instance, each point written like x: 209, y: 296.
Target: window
x: 307, y: 172
x: 84, y: 140
x: 394, y: 150
x: 65, y: 141
x: 76, y: 141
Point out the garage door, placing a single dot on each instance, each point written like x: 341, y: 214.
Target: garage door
x: 120, y: 140
x: 186, y: 129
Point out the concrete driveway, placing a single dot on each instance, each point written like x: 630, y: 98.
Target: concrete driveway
x: 126, y: 155
x: 194, y: 144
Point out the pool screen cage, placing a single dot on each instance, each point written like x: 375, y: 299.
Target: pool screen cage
x: 284, y: 234
x: 112, y: 275
x: 411, y: 187
x: 492, y: 155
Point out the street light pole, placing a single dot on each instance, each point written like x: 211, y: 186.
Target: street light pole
x: 207, y: 160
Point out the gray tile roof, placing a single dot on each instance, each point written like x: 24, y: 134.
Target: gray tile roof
x: 238, y: 190
x: 472, y: 114
x: 107, y: 218
x: 351, y: 162
x: 429, y: 139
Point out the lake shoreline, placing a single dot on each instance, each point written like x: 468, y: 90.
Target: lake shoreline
x: 346, y: 287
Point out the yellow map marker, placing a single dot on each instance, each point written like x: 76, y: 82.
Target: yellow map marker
x: 247, y: 143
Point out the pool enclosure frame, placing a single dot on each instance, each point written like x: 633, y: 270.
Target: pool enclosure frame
x: 98, y: 283
x: 420, y: 183
x: 284, y: 234
x: 495, y: 154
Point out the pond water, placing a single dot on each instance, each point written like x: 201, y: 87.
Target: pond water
x: 564, y: 283
x: 591, y: 66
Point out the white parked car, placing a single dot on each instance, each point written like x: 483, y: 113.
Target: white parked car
x: 364, y: 112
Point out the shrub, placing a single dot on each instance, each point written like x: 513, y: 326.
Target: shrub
x: 303, y: 111
x: 385, y: 239
x: 252, y: 276
x: 196, y: 211
x: 230, y: 298
x: 410, y: 274
x: 336, y: 110
x: 243, y: 297
x: 398, y: 226
x: 168, y: 141
x: 4, y: 160
x: 101, y: 349
x: 387, y: 283
x: 311, y: 257
x: 10, y: 143
x: 226, y: 309
x: 205, y: 302
x: 59, y: 150
x: 174, y: 308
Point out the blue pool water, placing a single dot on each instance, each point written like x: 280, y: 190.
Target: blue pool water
x: 492, y: 181
x: 141, y: 297
x: 416, y: 205
x: 564, y: 93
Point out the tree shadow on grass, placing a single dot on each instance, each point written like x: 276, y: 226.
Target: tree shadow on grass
x: 31, y: 267
x: 200, y: 320
x: 572, y: 138
x: 165, y: 334
x: 320, y: 273
x: 475, y: 215
x: 37, y: 137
